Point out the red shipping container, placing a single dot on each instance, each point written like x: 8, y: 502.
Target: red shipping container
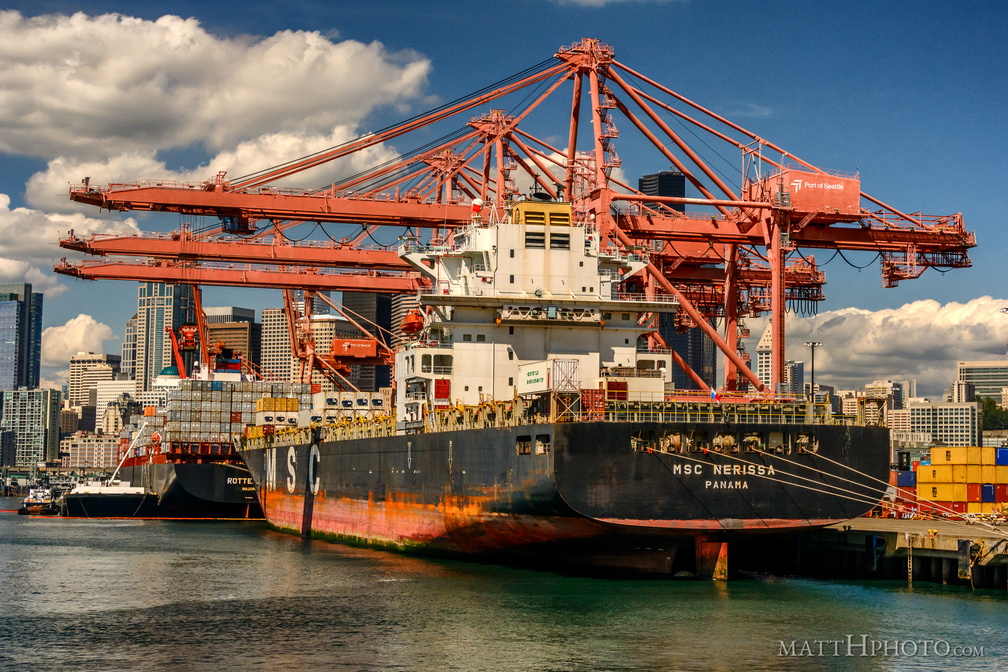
x: 958, y: 507
x: 1001, y: 493
x: 236, y: 417
x: 893, y: 475
x: 909, y: 494
x: 914, y: 465
x: 973, y: 492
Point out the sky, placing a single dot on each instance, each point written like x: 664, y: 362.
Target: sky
x: 910, y: 95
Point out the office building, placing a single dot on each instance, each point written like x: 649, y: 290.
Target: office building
x: 107, y: 392
x: 87, y: 452
x: 159, y: 307
x: 237, y: 329
x: 33, y: 416
x: 127, y: 363
x: 20, y: 336
x: 373, y: 312
x: 697, y: 350
x: 949, y: 424
x: 764, y: 356
x: 987, y: 377
x: 86, y: 370
x: 277, y: 358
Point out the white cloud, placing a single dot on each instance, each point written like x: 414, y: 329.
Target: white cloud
x: 81, y: 334
x: 99, y: 86
x: 29, y: 242
x: 923, y: 340
x: 48, y: 189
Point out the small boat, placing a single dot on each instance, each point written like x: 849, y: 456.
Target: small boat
x: 39, y: 502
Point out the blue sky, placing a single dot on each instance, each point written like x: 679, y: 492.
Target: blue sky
x: 910, y: 94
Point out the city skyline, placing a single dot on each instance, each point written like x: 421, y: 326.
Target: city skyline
x: 862, y: 100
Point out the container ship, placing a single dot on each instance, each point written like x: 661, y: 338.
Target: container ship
x: 180, y: 461
x: 532, y: 423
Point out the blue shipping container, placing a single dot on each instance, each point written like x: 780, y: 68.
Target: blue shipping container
x: 987, y: 492
x: 1001, y: 457
x: 906, y: 479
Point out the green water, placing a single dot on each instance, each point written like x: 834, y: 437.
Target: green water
x: 156, y: 595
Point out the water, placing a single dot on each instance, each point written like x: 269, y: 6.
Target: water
x: 156, y: 595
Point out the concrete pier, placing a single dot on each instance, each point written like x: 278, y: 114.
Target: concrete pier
x: 938, y: 551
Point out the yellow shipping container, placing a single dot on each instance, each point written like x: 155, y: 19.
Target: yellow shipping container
x: 941, y: 456
x: 958, y: 492
x: 959, y: 454
x: 936, y: 473
x: 988, y: 474
x: 988, y: 507
x: 1001, y: 474
x: 937, y: 492
x: 973, y: 454
x: 974, y: 507
x: 987, y: 455
x: 959, y: 473
x: 973, y: 473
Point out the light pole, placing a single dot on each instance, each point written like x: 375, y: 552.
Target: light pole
x: 813, y: 345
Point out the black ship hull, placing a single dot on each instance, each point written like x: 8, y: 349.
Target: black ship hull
x: 582, y: 492
x: 173, y: 490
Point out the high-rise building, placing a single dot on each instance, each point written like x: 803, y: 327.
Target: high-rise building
x: 87, y: 369
x: 276, y: 348
x: 33, y: 417
x: 108, y: 392
x: 963, y: 391
x: 665, y: 183
x: 988, y: 377
x: 891, y: 390
x: 695, y: 347
x: 794, y: 378
x: 20, y: 336
x: 948, y: 424
x: 159, y: 307
x: 764, y: 356
x: 374, y: 313
x: 237, y: 329
x: 127, y: 363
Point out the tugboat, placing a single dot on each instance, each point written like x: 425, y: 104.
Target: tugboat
x: 39, y: 502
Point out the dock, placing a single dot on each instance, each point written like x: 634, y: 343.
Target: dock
x: 950, y: 552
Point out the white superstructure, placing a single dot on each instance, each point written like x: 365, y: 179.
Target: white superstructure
x: 529, y: 289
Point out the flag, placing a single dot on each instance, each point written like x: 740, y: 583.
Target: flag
x: 715, y: 396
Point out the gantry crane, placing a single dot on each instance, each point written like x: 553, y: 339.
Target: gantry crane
x: 739, y: 255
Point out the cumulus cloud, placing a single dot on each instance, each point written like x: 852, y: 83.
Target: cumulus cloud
x: 98, y: 86
x: 923, y: 340
x: 48, y: 189
x: 29, y: 242
x: 81, y: 334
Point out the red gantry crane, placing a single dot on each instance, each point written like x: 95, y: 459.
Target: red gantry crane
x: 739, y: 255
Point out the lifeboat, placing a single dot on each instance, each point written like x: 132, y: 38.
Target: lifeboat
x: 412, y: 323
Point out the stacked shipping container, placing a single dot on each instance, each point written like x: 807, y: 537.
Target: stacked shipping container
x: 963, y: 479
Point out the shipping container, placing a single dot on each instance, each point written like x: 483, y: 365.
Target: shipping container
x: 972, y: 454
x: 974, y: 507
x: 1001, y: 457
x: 959, y: 473
x: 958, y: 506
x: 987, y: 455
x: 935, y: 473
x: 1001, y: 492
x: 936, y: 492
x: 1001, y: 474
x: 959, y: 492
x: 972, y: 492
x: 906, y: 479
x: 973, y: 473
x: 988, y: 493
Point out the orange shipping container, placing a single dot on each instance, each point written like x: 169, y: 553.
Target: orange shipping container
x: 973, y: 492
